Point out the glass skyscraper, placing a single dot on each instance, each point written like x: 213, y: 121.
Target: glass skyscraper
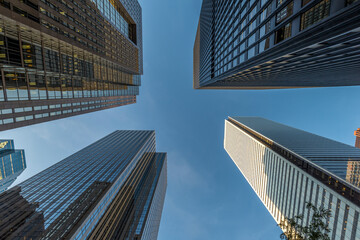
x: 264, y: 44
x: 112, y: 189
x: 12, y: 163
x: 288, y: 167
x: 64, y: 58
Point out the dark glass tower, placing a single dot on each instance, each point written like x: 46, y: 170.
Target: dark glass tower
x: 264, y: 44
x: 288, y: 167
x: 12, y: 163
x: 64, y: 58
x: 112, y: 189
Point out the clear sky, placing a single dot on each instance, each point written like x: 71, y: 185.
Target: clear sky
x: 207, y: 197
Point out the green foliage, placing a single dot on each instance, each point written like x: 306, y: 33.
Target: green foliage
x: 318, y: 228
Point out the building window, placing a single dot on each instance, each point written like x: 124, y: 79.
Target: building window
x: 9, y: 120
x: 266, y: 13
x: 285, y: 13
x: 263, y: 2
x: 242, y: 47
x: 315, y: 14
x: 242, y: 58
x: 251, y: 52
x: 252, y: 26
x: 253, y: 12
x: 252, y: 39
x: 265, y: 44
x: 304, y: 2
x: 348, y: 2
x: 283, y: 33
x: 279, y: 2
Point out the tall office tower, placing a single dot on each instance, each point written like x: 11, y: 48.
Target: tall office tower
x: 287, y: 167
x: 264, y: 44
x: 354, y: 167
x: 63, y: 58
x: 12, y: 163
x: 112, y: 189
x: 357, y: 134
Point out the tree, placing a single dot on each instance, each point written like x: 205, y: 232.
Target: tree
x: 318, y: 228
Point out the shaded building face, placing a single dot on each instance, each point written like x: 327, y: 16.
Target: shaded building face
x: 59, y: 59
x: 12, y: 163
x: 288, y: 167
x: 118, y: 182
x: 260, y: 44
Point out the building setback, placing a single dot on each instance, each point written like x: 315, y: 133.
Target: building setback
x: 12, y: 163
x: 112, y: 189
x: 265, y: 44
x: 64, y: 58
x: 287, y: 167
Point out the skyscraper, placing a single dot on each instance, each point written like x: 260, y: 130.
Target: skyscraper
x: 64, y: 58
x: 357, y: 134
x: 112, y: 189
x: 287, y: 167
x: 12, y: 163
x: 264, y: 44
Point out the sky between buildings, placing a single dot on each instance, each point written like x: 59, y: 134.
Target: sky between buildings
x: 207, y: 197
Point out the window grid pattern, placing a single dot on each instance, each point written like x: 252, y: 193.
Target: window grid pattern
x: 239, y: 39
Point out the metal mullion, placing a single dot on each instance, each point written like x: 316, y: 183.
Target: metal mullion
x: 4, y: 84
x: 44, y: 67
x: 60, y: 74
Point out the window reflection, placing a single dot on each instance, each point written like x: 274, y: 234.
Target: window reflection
x: 315, y: 14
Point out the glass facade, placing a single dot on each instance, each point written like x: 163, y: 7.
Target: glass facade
x: 62, y: 60
x: 288, y: 167
x: 78, y: 195
x: 12, y: 163
x: 271, y: 44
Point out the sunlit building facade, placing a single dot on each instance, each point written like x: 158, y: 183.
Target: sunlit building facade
x: 64, y: 58
x: 354, y: 167
x: 265, y: 44
x: 112, y: 189
x: 288, y: 167
x: 357, y: 135
x: 12, y: 163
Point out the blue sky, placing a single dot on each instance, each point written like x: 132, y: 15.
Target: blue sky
x: 207, y: 197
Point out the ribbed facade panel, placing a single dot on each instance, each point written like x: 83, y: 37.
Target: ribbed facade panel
x: 284, y: 188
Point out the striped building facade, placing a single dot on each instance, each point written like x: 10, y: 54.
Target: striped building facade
x: 287, y: 167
